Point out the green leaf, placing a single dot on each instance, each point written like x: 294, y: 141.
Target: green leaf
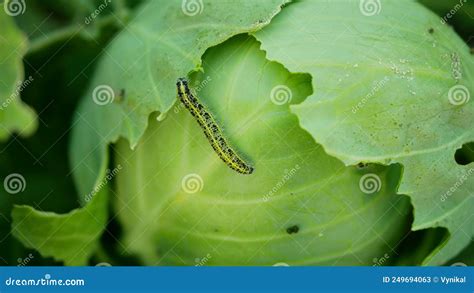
x: 15, y: 116
x: 459, y: 14
x: 51, y: 22
x: 389, y: 88
x: 179, y: 204
x: 465, y: 258
x: 86, y: 242
x: 71, y: 237
x: 138, y: 71
x: 53, y: 190
x: 79, y: 230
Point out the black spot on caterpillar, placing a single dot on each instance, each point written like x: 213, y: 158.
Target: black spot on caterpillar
x: 211, y: 129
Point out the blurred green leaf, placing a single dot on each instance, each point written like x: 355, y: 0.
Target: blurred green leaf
x: 390, y: 87
x: 465, y: 257
x: 51, y: 22
x: 418, y: 245
x: 71, y: 237
x: 15, y: 116
x: 458, y: 13
x: 58, y: 82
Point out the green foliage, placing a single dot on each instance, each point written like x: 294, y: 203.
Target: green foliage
x: 15, y: 116
x: 458, y: 13
x: 53, y: 89
x: 92, y: 132
x: 348, y: 116
x: 186, y: 203
x: 140, y: 69
x: 408, y: 105
x: 71, y: 237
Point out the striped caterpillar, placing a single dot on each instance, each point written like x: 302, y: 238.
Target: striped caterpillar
x: 212, y: 131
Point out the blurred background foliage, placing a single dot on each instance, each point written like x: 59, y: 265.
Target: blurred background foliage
x: 462, y: 19
x: 61, y: 58
x: 65, y: 41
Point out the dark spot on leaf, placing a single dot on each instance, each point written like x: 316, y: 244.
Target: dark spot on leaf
x: 121, y: 95
x: 431, y: 30
x: 293, y: 229
x: 362, y: 165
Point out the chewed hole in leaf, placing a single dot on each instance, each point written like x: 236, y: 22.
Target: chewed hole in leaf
x: 465, y: 155
x: 362, y: 165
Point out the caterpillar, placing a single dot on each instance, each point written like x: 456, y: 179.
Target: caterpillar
x: 211, y: 129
